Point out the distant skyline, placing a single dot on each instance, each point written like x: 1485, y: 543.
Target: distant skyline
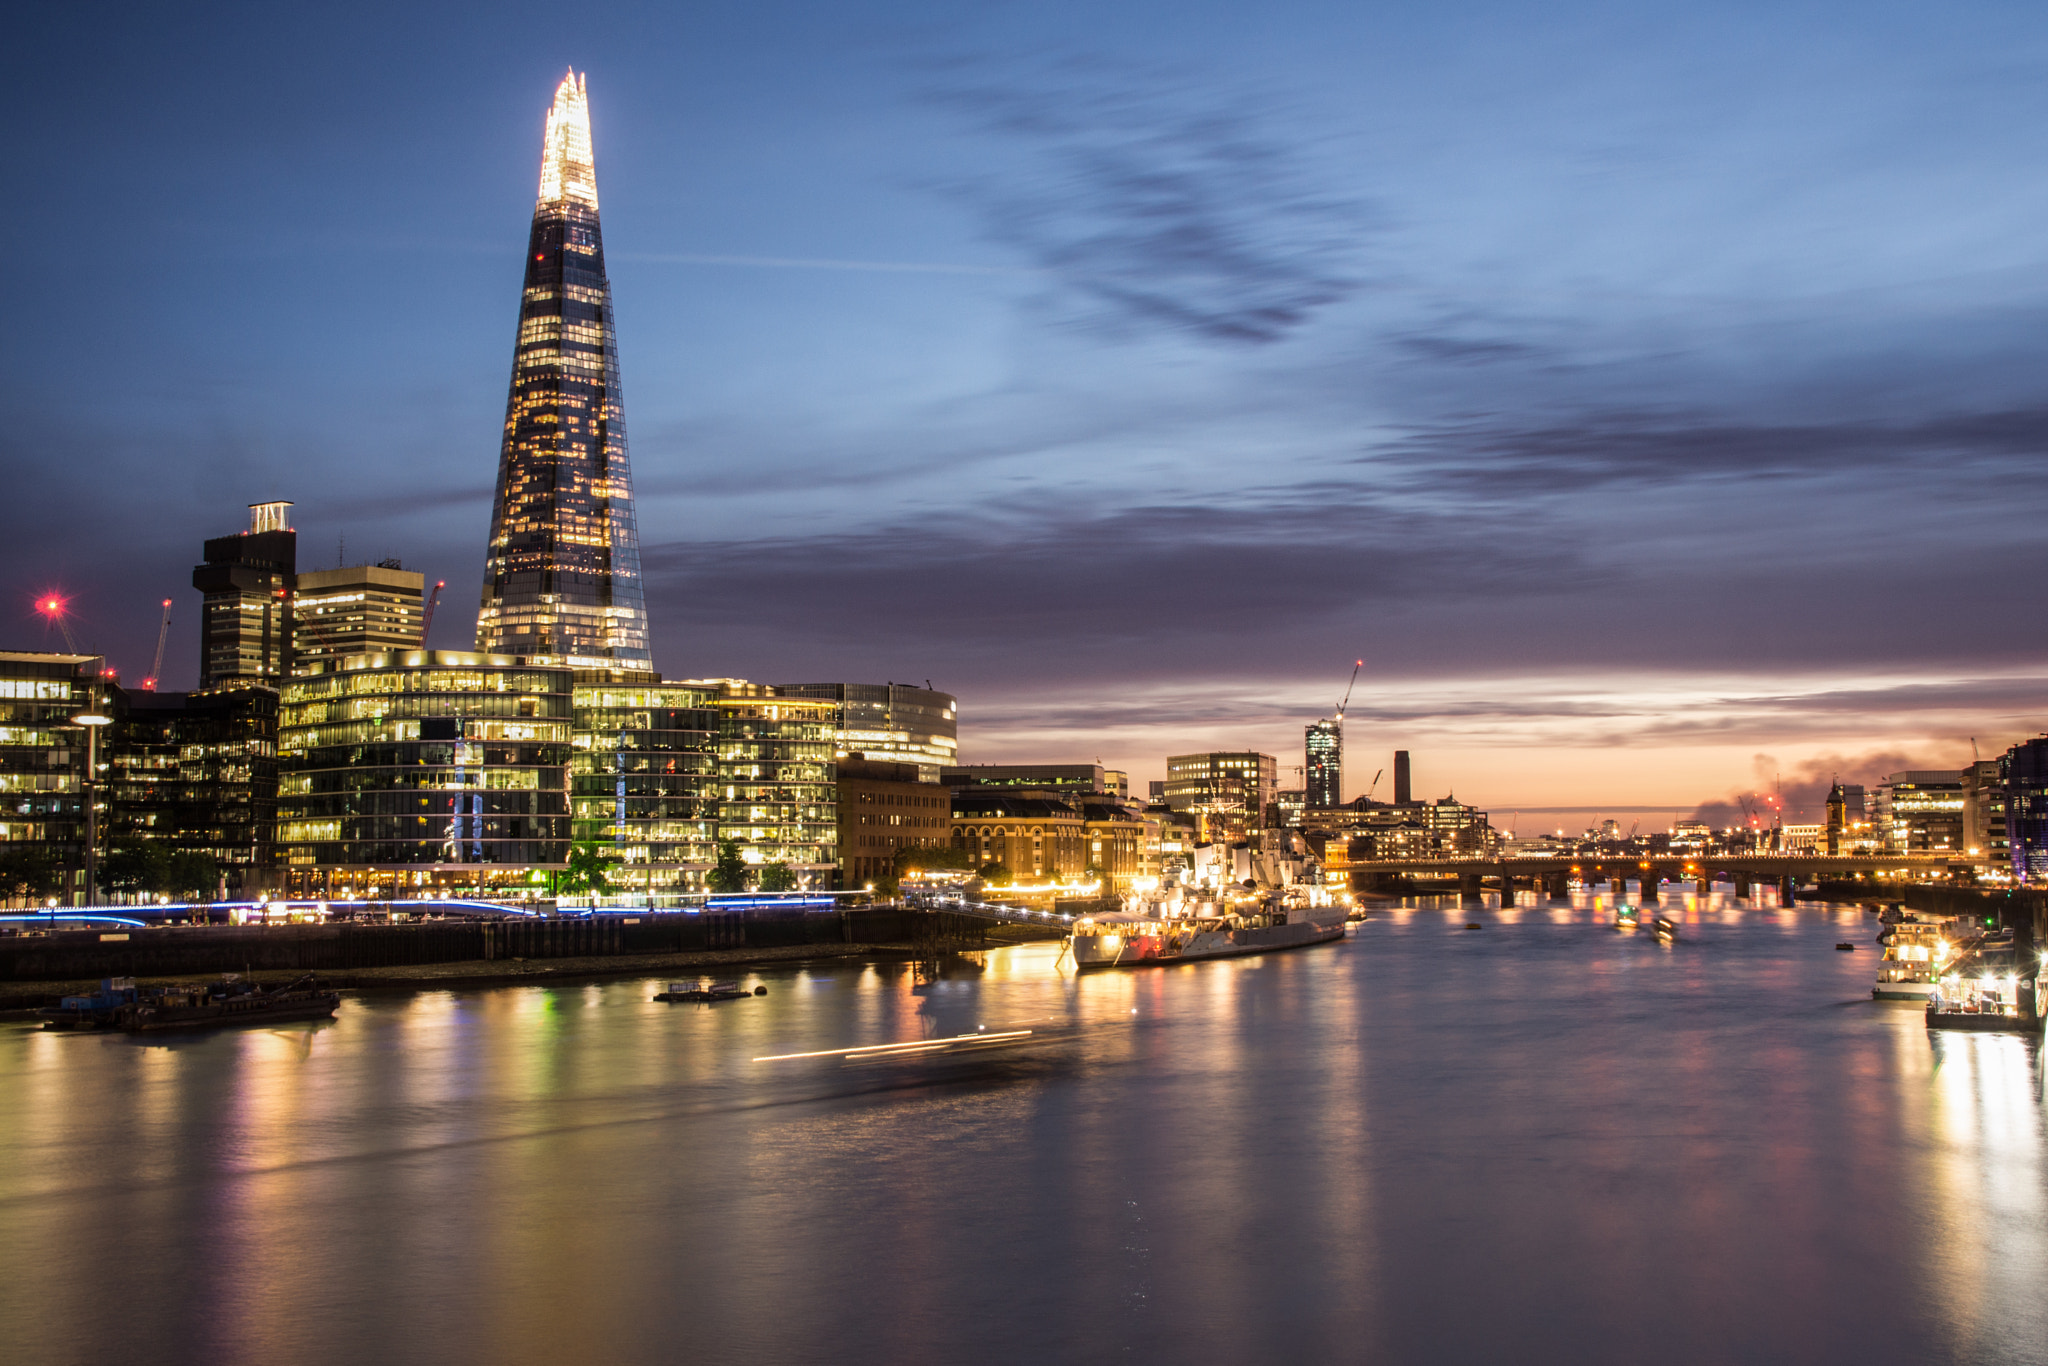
x: 1656, y: 399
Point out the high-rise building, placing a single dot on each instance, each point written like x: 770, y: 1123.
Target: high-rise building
x: 1985, y: 842
x: 891, y: 722
x: 362, y: 610
x: 562, y: 578
x: 1323, y: 785
x: 1921, y: 811
x: 245, y: 621
x: 1404, y: 788
x: 198, y: 773
x: 2026, y: 809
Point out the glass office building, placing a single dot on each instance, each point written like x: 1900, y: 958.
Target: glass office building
x: 777, y: 791
x: 562, y: 578
x: 428, y: 770
x: 198, y: 771
x: 892, y: 722
x: 42, y: 774
x: 644, y: 781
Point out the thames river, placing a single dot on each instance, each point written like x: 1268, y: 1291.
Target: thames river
x: 1541, y: 1141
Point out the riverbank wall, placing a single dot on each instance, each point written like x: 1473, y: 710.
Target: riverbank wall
x: 2024, y: 910
x: 201, y: 950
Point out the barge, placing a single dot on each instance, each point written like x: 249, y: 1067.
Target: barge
x: 120, y: 1005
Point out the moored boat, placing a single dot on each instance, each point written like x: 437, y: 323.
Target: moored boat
x: 1991, y: 984
x: 1915, y: 951
x: 1127, y: 939
x: 120, y: 1004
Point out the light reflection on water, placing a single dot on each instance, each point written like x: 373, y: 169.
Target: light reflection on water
x: 1541, y: 1141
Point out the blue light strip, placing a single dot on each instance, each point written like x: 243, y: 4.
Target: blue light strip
x: 51, y: 917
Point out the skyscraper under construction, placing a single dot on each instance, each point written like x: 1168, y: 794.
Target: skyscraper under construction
x: 562, y: 580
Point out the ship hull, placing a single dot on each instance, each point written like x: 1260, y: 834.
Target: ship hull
x: 1152, y: 951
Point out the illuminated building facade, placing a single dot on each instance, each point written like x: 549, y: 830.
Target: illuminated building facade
x: 643, y: 781
x: 884, y: 807
x: 1323, y: 750
x: 245, y: 624
x: 562, y: 579
x: 363, y: 610
x: 42, y: 774
x: 198, y: 771
x: 427, y: 770
x: 1035, y: 838
x: 1921, y: 811
x: 776, y: 779
x: 2026, y: 809
x: 891, y: 721
x: 1230, y: 791
x: 1075, y: 780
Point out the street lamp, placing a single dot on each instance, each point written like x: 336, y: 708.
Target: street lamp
x: 92, y: 718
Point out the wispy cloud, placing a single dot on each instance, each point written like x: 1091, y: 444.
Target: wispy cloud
x: 690, y: 258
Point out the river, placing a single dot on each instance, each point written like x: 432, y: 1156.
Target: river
x: 1541, y: 1141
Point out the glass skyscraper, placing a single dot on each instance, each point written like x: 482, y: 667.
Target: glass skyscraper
x: 562, y: 581
x: 1324, y: 751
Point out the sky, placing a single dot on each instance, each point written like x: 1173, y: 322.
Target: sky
x: 1654, y: 396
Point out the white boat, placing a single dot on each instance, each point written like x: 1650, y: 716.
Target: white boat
x: 1130, y: 939
x: 1914, y: 952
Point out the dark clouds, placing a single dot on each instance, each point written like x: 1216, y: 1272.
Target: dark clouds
x: 1159, y: 203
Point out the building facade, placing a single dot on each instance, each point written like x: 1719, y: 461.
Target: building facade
x: 1323, y: 770
x: 1076, y: 780
x: 1037, y: 839
x: 884, y: 807
x: 643, y: 781
x: 776, y: 779
x: 429, y: 771
x: 362, y: 610
x: 2026, y: 809
x: 562, y: 579
x: 245, y: 614
x: 891, y: 722
x: 1984, y: 837
x: 43, y: 775
x: 198, y: 772
x: 1921, y: 811
x: 1230, y: 791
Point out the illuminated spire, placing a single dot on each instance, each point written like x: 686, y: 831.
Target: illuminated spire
x: 567, y: 171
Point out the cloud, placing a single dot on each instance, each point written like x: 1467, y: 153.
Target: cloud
x: 1156, y: 204
x: 1800, y: 791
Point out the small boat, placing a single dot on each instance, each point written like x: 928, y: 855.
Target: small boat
x: 1666, y: 929
x: 1625, y: 917
x: 701, y: 990
x: 1845, y: 947
x: 120, y: 1004
x: 1915, y: 952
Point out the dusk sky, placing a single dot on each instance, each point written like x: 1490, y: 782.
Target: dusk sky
x: 1654, y: 396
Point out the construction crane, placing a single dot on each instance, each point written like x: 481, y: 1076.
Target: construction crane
x: 1375, y: 785
x: 1347, y: 689
x: 163, y: 632
x: 427, y: 617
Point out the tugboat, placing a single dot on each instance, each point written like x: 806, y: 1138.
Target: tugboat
x: 120, y: 1004
x: 1128, y: 939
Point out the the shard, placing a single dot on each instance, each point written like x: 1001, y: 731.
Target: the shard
x: 562, y: 582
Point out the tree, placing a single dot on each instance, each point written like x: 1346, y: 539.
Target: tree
x: 30, y: 871
x: 141, y: 868
x: 995, y: 874
x: 729, y: 874
x: 778, y: 877
x: 1095, y: 872
x: 586, y: 871
x: 933, y: 859
x: 191, y: 875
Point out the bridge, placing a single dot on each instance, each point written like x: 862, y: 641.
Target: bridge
x: 1551, y: 874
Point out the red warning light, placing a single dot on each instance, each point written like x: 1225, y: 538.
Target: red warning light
x: 52, y: 606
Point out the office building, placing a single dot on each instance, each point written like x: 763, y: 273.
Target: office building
x: 43, y: 774
x: 198, y: 772
x: 245, y: 619
x: 562, y: 579
x: 1323, y: 781
x: 1290, y: 806
x: 1065, y: 780
x: 1230, y: 791
x: 428, y: 771
x: 776, y: 779
x: 891, y: 722
x: 1921, y: 811
x: 1985, y: 843
x: 884, y: 807
x: 643, y: 781
x: 366, y: 609
x: 1116, y: 783
x: 2026, y: 809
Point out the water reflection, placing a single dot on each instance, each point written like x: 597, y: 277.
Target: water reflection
x: 1545, y: 1140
